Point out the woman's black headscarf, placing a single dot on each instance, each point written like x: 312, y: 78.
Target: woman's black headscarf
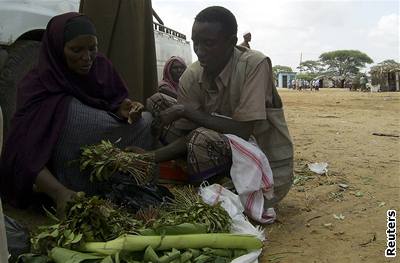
x: 43, y: 98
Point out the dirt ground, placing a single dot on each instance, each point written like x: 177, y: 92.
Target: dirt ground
x: 320, y: 221
x: 341, y: 216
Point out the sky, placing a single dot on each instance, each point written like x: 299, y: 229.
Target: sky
x: 290, y: 30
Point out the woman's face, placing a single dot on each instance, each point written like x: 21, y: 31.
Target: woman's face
x: 177, y: 70
x: 80, y: 53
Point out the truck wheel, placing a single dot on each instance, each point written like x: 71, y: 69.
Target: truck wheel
x: 22, y: 56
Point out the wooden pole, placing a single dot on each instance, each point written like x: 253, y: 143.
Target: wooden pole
x: 301, y: 58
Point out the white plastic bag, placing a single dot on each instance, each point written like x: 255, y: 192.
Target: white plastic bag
x: 319, y: 168
x: 240, y: 225
x: 213, y: 194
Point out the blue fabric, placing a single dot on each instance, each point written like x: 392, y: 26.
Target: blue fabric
x: 85, y: 126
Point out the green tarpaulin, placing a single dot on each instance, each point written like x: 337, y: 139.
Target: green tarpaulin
x: 125, y: 35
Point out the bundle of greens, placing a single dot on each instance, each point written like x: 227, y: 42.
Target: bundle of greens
x: 188, y: 207
x: 87, y: 219
x: 105, y: 159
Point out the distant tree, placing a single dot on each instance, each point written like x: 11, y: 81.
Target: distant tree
x: 306, y: 76
x: 342, y: 65
x: 389, y: 62
x: 278, y: 68
x: 311, y: 66
x: 310, y: 69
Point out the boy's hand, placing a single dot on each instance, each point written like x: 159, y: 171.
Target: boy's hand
x: 172, y: 114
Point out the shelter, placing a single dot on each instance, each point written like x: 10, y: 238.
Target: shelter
x: 387, y: 75
x: 284, y: 79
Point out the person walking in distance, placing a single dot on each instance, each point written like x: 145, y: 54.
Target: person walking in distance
x: 247, y: 39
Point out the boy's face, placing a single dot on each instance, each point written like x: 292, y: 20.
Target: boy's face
x: 211, y: 45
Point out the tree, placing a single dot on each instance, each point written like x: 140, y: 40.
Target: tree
x: 306, y: 76
x: 343, y: 65
x: 310, y: 70
x: 311, y: 66
x: 278, y: 68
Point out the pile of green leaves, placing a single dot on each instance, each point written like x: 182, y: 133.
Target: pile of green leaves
x: 87, y: 219
x: 193, y: 255
x: 103, y: 160
x: 61, y: 255
x: 188, y: 207
x: 93, y: 219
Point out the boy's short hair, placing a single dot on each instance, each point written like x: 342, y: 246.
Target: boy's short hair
x: 220, y: 15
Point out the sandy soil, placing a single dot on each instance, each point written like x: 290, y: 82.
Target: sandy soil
x: 333, y: 126
x: 336, y: 126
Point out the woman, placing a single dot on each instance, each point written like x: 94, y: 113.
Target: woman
x: 173, y: 70
x: 73, y: 97
x: 165, y: 98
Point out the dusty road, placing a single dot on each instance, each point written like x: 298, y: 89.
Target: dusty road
x: 340, y: 217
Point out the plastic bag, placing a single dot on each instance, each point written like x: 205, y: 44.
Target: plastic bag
x: 134, y: 197
x: 319, y: 168
x: 17, y: 238
x: 240, y: 225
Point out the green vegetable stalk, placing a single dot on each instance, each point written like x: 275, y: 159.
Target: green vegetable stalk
x: 195, y: 241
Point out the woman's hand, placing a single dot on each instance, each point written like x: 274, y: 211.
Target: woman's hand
x: 130, y: 110
x: 135, y: 113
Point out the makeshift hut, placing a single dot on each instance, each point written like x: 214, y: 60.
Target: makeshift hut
x: 387, y: 75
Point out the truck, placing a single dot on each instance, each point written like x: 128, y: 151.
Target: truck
x: 22, y: 24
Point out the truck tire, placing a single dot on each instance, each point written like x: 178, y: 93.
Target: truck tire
x: 22, y: 56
